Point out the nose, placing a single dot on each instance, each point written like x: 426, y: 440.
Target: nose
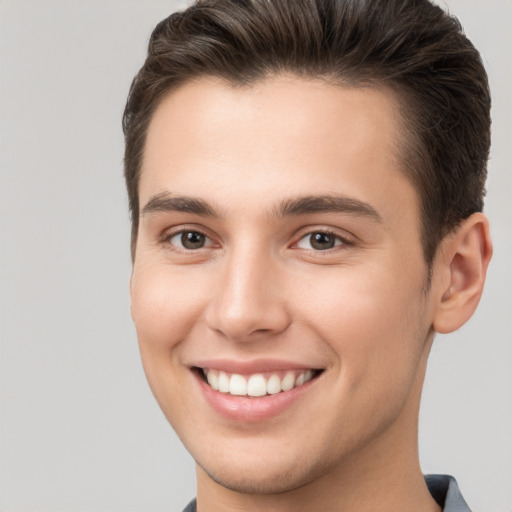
x: 249, y: 303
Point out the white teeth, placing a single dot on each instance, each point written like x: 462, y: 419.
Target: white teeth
x: 288, y: 382
x: 237, y: 385
x: 213, y: 380
x: 274, y: 385
x: 257, y: 384
x: 223, y: 382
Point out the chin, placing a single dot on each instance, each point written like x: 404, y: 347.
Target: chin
x: 268, y: 471
x: 274, y: 480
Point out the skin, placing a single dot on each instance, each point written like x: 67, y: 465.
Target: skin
x: 361, y: 311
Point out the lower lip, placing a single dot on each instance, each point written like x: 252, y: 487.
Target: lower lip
x: 252, y: 409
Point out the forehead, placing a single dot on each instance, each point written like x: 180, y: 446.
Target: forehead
x: 295, y: 133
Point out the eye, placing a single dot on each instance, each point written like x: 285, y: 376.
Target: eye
x: 189, y: 240
x: 320, y: 241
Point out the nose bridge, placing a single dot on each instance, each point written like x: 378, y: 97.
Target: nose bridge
x: 248, y: 301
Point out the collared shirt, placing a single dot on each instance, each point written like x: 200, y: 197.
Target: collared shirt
x: 444, y: 490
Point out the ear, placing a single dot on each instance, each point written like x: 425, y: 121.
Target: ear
x: 462, y: 264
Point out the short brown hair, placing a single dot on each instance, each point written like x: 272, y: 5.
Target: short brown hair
x: 410, y: 46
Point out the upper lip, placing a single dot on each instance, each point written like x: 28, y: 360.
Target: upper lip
x: 254, y: 366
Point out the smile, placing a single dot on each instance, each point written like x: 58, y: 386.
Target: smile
x: 257, y: 384
x: 255, y: 391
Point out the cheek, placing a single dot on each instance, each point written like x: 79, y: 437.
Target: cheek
x: 372, y: 321
x: 375, y: 333
x: 165, y: 306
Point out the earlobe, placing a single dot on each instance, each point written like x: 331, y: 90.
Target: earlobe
x: 464, y: 260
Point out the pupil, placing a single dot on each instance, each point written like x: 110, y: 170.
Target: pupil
x: 322, y: 241
x: 192, y: 240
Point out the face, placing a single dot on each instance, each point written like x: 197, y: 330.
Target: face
x: 278, y: 288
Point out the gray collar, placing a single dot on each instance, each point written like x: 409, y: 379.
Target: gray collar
x: 445, y: 491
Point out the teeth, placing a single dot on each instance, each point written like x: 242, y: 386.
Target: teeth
x: 273, y: 385
x: 257, y: 384
x: 223, y: 382
x: 237, y: 385
x: 288, y: 382
x: 213, y: 380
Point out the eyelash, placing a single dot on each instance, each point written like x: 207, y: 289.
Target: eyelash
x: 339, y: 241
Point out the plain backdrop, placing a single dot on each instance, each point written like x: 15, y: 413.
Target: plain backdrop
x: 80, y: 430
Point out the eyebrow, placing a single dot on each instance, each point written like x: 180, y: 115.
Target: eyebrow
x: 326, y: 204
x: 165, y: 202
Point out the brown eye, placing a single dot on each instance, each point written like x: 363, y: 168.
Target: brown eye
x: 189, y: 240
x: 319, y: 241
x: 192, y: 240
x: 322, y: 241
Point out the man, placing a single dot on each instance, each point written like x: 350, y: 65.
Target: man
x: 306, y: 182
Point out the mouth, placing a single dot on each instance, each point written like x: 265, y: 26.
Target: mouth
x: 256, y: 385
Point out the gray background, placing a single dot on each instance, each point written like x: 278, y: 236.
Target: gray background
x: 80, y: 430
